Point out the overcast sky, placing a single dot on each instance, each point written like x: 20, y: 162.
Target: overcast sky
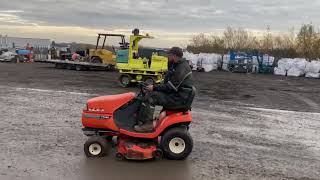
x: 172, y: 22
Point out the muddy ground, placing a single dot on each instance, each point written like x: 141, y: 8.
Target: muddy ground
x: 245, y: 127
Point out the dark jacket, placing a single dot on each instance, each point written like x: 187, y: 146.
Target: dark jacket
x: 178, y: 80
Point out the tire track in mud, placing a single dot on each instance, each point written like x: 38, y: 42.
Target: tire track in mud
x: 312, y: 104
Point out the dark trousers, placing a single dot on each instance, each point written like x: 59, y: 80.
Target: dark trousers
x: 152, y: 99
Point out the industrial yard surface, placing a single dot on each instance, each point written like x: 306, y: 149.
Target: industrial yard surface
x: 245, y: 126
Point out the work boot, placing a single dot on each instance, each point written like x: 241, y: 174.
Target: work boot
x: 146, y: 127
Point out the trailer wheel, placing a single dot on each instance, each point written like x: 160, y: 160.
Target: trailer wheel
x: 111, y: 68
x: 79, y: 67
x: 59, y: 66
x: 125, y: 80
x: 231, y: 68
x: 70, y: 67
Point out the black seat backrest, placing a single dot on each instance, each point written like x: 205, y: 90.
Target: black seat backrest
x: 190, y: 100
x: 187, y: 105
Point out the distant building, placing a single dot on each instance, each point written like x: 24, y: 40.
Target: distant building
x: 18, y: 42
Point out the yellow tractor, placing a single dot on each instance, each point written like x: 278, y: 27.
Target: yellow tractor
x: 102, y: 55
x: 135, y: 67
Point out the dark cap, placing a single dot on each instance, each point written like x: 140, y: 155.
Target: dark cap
x: 176, y: 51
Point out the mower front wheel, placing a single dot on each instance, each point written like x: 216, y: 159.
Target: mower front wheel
x: 177, y: 143
x: 96, y: 146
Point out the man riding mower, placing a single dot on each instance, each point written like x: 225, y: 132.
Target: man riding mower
x: 130, y: 118
x: 173, y: 94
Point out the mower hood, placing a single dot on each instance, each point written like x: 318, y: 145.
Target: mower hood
x: 108, y: 104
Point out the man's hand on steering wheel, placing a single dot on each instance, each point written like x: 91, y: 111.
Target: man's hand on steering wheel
x: 149, y: 88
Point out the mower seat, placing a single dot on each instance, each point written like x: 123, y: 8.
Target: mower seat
x: 187, y: 106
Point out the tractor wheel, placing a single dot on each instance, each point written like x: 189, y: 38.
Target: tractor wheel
x: 96, y: 146
x: 79, y: 67
x: 96, y: 60
x: 176, y: 143
x: 149, y: 80
x: 125, y: 80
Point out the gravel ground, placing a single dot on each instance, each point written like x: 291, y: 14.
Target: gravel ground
x: 244, y: 127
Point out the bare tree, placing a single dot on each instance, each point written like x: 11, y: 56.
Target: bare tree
x: 237, y: 38
x: 207, y: 44
x: 306, y: 44
x: 305, y: 41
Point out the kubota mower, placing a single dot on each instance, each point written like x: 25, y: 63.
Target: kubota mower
x: 114, y: 116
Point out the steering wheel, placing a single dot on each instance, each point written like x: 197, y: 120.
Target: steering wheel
x: 143, y: 86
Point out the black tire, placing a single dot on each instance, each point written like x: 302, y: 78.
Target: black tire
x: 184, y: 143
x: 149, y: 80
x: 79, y: 67
x: 109, y: 139
x: 119, y: 156
x: 111, y: 68
x: 96, y: 60
x: 158, y: 154
x: 93, y: 144
x: 125, y: 80
x: 14, y: 60
x: 231, y: 68
x: 70, y: 67
x: 59, y: 66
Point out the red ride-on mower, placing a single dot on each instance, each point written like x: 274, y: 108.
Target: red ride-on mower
x: 116, y: 115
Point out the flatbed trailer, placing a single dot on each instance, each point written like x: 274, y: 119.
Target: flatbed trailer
x: 76, y: 65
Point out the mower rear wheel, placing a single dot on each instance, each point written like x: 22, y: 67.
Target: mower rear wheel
x: 96, y: 146
x: 125, y: 80
x: 177, y: 143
